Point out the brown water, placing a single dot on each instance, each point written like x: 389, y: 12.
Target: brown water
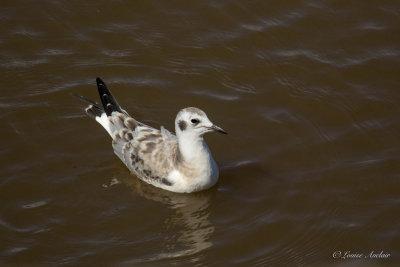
x: 309, y: 92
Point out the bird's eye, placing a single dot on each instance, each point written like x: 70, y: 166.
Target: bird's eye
x: 195, y: 121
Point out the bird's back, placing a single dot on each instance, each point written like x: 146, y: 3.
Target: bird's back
x: 149, y: 153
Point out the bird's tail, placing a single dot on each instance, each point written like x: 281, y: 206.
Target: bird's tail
x: 108, y: 102
x: 109, y: 114
x: 94, y: 109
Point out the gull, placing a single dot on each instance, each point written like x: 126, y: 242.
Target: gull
x: 180, y: 163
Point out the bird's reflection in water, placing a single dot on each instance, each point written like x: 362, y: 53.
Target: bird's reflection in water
x: 189, y: 229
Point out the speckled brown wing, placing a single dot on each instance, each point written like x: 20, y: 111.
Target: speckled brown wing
x: 144, y: 150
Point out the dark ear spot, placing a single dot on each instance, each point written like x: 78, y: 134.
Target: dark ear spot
x: 182, y: 125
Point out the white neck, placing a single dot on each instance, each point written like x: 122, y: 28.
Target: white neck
x: 198, y: 158
x: 193, y: 148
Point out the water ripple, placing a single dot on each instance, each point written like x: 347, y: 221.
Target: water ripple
x: 35, y: 204
x: 27, y: 32
x: 20, y: 63
x: 56, y: 52
x: 13, y: 228
x: 371, y: 26
x: 345, y: 62
x: 240, y: 87
x: 215, y: 95
x: 117, y: 53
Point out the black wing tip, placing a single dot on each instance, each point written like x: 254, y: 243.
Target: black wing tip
x: 99, y: 81
x: 108, y: 101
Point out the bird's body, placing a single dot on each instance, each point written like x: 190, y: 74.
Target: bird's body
x: 180, y: 163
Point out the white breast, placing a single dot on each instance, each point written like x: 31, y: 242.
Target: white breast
x: 203, y: 177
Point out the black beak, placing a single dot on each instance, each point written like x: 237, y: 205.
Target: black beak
x: 218, y: 129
